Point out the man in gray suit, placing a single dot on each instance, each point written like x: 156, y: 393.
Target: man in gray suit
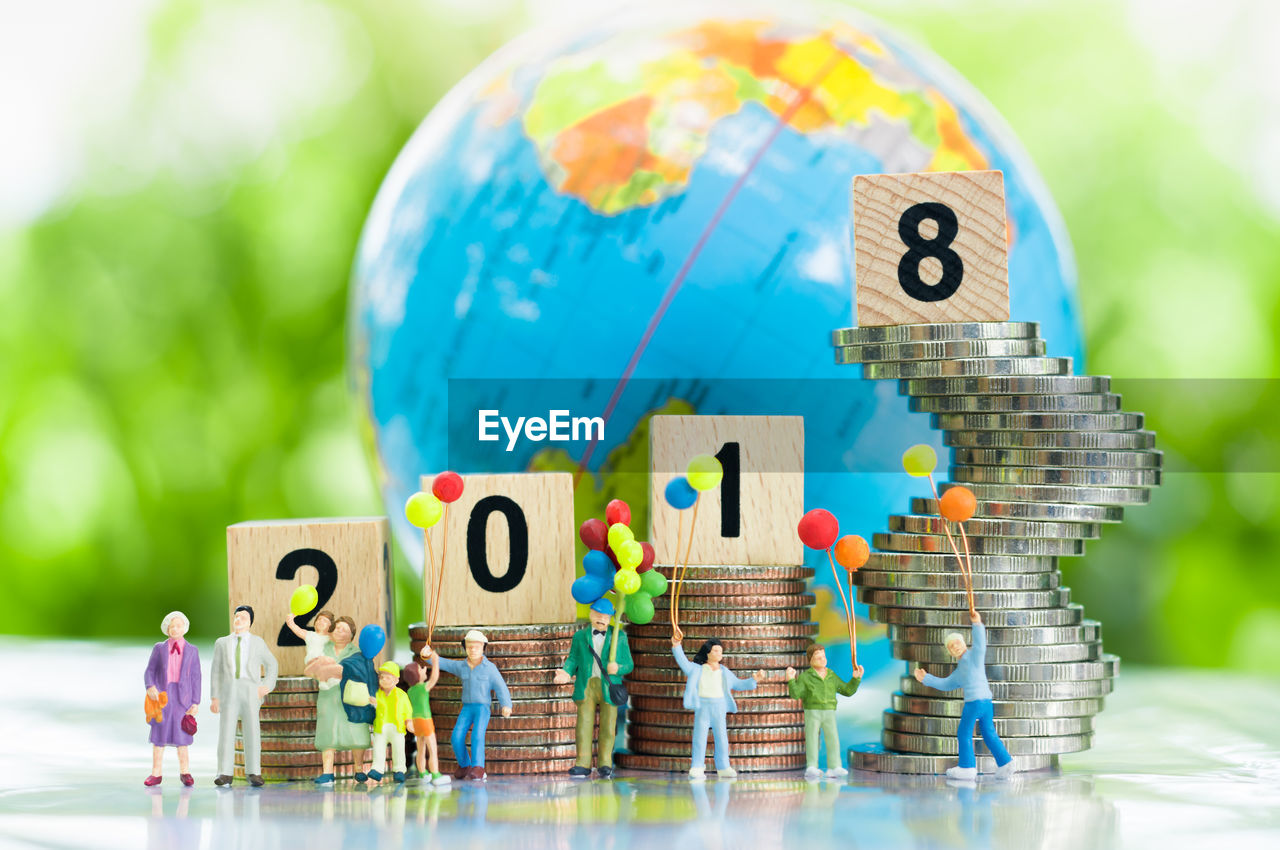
x: 244, y: 672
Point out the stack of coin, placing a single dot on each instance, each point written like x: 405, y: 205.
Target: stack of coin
x: 762, y: 615
x: 1050, y: 458
x: 538, y: 737
x: 288, y: 722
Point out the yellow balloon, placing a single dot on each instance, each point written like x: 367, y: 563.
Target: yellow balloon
x: 423, y: 509
x: 626, y: 581
x: 919, y: 460
x: 704, y: 472
x: 303, y: 600
x: 619, y: 533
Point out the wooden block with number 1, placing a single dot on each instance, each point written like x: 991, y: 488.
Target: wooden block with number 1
x: 348, y: 559
x: 930, y: 247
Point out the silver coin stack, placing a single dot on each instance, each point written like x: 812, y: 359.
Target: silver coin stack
x: 1050, y: 458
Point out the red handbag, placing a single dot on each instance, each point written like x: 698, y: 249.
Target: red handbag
x: 188, y: 724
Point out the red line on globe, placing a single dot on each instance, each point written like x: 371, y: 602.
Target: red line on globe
x: 802, y: 97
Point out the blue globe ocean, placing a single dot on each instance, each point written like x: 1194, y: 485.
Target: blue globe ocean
x: 652, y: 215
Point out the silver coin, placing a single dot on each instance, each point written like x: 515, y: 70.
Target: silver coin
x: 1006, y: 385
x: 1089, y: 630
x: 1087, y: 515
x: 954, y: 580
x: 968, y: 366
x: 929, y: 562
x: 1087, y: 440
x: 1118, y: 496
x: 958, y: 599
x: 876, y: 334
x: 1019, y: 691
x: 947, y: 745
x: 1104, y: 668
x: 983, y: 527
x: 1038, y: 421
x: 1073, y: 477
x: 1060, y: 457
x: 874, y: 758
x: 1090, y: 403
x: 1052, y: 653
x: 1012, y: 727
x: 904, y: 351
x: 1071, y: 615
x: 898, y: 542
x: 943, y: 707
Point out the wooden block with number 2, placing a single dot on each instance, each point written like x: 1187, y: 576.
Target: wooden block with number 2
x: 930, y: 247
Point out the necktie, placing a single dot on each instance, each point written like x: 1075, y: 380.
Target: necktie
x: 238, y: 639
x: 173, y: 649
x: 598, y: 632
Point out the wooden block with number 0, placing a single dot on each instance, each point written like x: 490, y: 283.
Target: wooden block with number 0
x: 930, y: 247
x: 348, y: 559
x: 751, y: 517
x: 510, y: 557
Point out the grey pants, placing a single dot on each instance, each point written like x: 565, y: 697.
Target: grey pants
x: 241, y: 704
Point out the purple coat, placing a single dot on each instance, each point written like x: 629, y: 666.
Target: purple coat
x: 184, y: 694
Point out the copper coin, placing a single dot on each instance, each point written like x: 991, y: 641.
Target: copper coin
x: 292, y: 744
x: 566, y: 720
x: 675, y: 690
x: 289, y: 699
x: 685, y: 748
x: 758, y: 602
x: 296, y: 774
x: 746, y: 735
x: 684, y: 719
x: 512, y: 768
x: 495, y: 650
x: 739, y: 661
x: 295, y: 684
x: 744, y: 573
x: 291, y: 728
x: 523, y: 708
x: 743, y: 618
x: 665, y: 674
x: 675, y: 764
x: 528, y: 753
x: 535, y: 631
x: 550, y: 690
x: 268, y: 759
x: 280, y: 712
x: 511, y: 677
x: 690, y: 588
x: 662, y: 646
x: 746, y: 704
x: 518, y: 738
x: 520, y: 662
x: 701, y: 632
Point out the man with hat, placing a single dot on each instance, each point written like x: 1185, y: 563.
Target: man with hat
x: 243, y: 673
x: 480, y: 682
x: 582, y: 667
x: 392, y: 711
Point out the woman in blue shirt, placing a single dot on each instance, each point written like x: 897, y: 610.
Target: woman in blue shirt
x: 708, y: 692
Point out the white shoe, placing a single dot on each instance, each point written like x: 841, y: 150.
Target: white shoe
x: 969, y: 774
x: 812, y: 772
x: 697, y: 774
x: 727, y: 773
x: 1006, y: 770
x: 442, y: 779
x: 837, y: 772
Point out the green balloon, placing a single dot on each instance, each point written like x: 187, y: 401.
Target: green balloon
x: 640, y: 608
x: 653, y: 583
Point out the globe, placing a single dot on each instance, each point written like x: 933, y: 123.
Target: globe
x: 651, y: 215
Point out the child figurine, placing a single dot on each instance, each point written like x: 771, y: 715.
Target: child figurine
x: 480, y: 680
x: 424, y: 728
x: 708, y: 691
x: 316, y: 639
x: 392, y: 713
x: 816, y: 688
x: 586, y: 652
x: 172, y: 678
x: 244, y: 672
x: 971, y: 675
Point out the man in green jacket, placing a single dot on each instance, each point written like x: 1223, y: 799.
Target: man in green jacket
x: 816, y: 688
x: 582, y: 668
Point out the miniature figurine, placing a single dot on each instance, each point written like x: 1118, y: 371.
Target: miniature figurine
x: 244, y: 672
x: 392, y: 713
x: 480, y: 680
x: 316, y: 638
x: 816, y: 688
x: 582, y: 667
x: 334, y: 730
x: 360, y: 682
x: 172, y: 679
x: 971, y: 675
x: 424, y: 727
x: 709, y: 694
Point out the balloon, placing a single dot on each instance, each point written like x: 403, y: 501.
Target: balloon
x: 617, y: 511
x: 630, y: 554
x: 679, y: 494
x: 303, y: 600
x: 613, y: 557
x: 958, y: 504
x: 587, y: 589
x: 618, y: 533
x: 919, y: 460
x: 640, y: 608
x: 818, y: 529
x: 423, y: 509
x: 646, y: 563
x: 447, y: 486
x: 597, y: 563
x: 852, y: 551
x: 372, y: 639
x: 653, y: 583
x: 704, y: 472
x: 594, y: 533
x: 626, y: 581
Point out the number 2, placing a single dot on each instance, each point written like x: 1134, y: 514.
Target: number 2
x: 919, y: 248
x: 288, y: 568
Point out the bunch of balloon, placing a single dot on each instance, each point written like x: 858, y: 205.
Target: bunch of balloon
x: 956, y: 505
x: 703, y: 473
x: 425, y: 510
x: 818, y: 529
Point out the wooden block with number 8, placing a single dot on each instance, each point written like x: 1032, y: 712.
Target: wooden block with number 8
x: 510, y: 551
x: 751, y: 517
x: 930, y: 247
x: 348, y: 559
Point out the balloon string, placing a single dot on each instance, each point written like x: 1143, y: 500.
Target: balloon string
x: 848, y: 612
x: 946, y: 526
x: 674, y: 610
x: 428, y: 574
x: 693, y: 520
x: 444, y: 548
x: 968, y: 579
x: 617, y: 626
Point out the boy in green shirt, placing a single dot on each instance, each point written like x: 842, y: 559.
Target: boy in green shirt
x: 424, y: 728
x: 816, y: 688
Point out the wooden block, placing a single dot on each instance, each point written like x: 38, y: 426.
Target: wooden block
x: 510, y: 557
x: 930, y: 247
x: 348, y: 559
x: 751, y: 517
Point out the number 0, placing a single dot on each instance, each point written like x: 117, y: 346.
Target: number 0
x: 518, y: 531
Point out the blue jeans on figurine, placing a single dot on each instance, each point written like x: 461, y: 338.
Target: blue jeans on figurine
x: 981, y: 712
x: 711, y: 714
x: 474, y: 716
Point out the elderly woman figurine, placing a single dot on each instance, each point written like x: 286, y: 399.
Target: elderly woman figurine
x: 334, y: 730
x: 172, y: 679
x: 708, y: 692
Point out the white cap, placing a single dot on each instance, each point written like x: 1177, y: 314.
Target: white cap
x: 168, y: 618
x: 475, y: 634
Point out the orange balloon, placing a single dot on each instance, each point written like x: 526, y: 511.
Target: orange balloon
x: 958, y: 504
x: 852, y: 552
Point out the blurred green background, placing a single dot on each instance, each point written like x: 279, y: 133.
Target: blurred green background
x: 183, y: 184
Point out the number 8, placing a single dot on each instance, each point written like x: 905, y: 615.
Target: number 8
x: 920, y: 248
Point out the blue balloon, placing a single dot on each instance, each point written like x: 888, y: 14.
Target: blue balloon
x: 597, y: 564
x: 680, y: 493
x: 587, y: 589
x: 372, y: 639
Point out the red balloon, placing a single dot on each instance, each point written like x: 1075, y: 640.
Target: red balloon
x: 447, y: 487
x: 646, y: 563
x: 617, y: 511
x: 818, y: 529
x: 595, y: 534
